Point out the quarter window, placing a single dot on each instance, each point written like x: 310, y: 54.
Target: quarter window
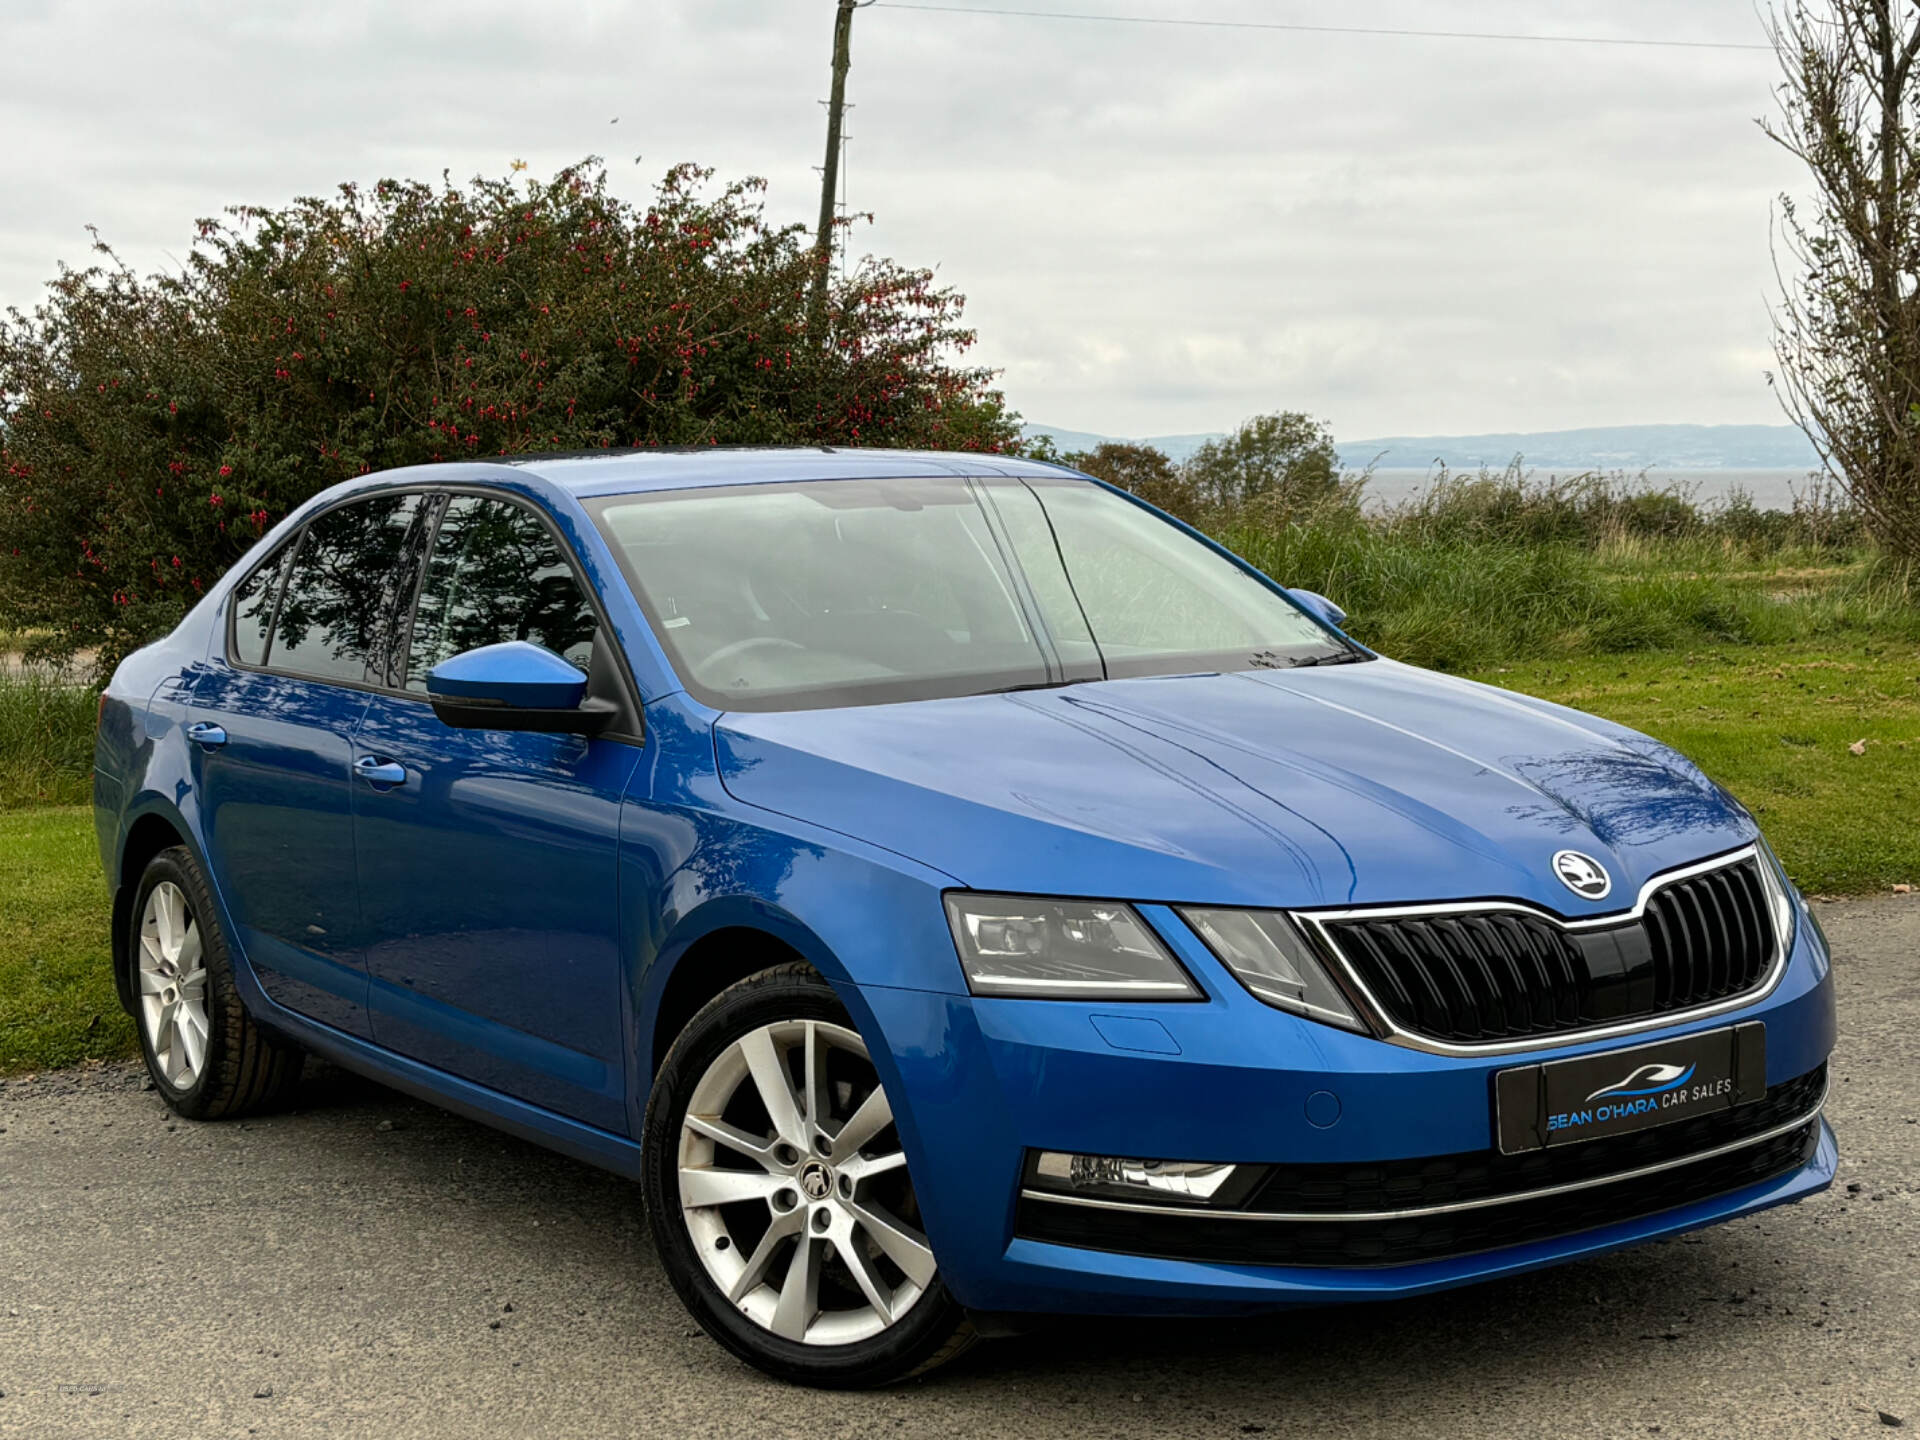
x: 333, y: 616
x: 496, y: 573
x: 253, y: 600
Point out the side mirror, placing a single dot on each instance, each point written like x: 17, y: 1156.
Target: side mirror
x: 515, y: 686
x: 1320, y: 606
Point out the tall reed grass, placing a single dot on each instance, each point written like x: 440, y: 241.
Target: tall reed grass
x: 46, y: 737
x: 1497, y: 566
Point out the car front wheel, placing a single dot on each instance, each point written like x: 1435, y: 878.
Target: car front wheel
x: 779, y: 1195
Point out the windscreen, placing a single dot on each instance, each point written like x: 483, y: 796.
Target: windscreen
x: 848, y: 592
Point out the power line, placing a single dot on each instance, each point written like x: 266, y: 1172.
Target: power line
x: 1321, y: 29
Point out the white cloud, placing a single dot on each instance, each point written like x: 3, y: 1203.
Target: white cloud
x: 1159, y: 229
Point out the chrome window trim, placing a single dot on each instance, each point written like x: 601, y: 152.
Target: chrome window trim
x: 1395, y: 1034
x: 1192, y: 1212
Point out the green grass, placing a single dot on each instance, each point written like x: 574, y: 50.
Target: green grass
x: 1775, y: 725
x: 46, y: 739
x: 57, y: 1002
x: 1461, y: 603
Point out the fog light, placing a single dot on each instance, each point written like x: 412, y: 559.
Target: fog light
x: 1201, y: 1182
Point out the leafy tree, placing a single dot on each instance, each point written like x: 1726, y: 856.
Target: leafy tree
x: 1040, y: 447
x: 1145, y: 471
x: 1847, y: 334
x: 1285, y: 461
x: 152, y: 427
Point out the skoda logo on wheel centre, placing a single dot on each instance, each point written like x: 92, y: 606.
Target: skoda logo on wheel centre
x: 1582, y: 874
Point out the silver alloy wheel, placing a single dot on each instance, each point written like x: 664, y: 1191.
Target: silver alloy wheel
x: 795, y: 1189
x: 171, y: 976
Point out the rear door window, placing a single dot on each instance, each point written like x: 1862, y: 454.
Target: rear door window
x: 496, y: 573
x: 333, y: 617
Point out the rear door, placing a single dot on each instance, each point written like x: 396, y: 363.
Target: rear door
x: 488, y: 874
x: 273, y: 721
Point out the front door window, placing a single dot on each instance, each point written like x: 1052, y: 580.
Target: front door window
x: 496, y: 574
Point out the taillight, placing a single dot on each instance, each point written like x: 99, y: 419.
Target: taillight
x: 100, y: 712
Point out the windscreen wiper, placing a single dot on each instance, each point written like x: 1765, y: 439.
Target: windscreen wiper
x: 1037, y: 685
x: 1344, y: 657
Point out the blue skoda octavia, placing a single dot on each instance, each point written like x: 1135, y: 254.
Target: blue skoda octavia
x: 953, y: 890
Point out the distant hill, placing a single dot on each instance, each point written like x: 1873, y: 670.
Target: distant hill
x: 1177, y: 447
x: 1604, y: 447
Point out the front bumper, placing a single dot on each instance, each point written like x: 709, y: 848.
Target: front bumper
x: 1069, y: 1278
x: 982, y: 1082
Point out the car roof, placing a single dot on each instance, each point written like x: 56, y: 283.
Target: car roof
x: 615, y: 472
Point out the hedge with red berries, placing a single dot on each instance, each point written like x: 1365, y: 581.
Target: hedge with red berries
x: 152, y: 427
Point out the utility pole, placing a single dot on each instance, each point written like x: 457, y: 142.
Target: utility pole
x: 830, y: 172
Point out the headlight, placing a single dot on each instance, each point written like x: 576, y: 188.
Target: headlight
x: 1062, y: 950
x: 1267, y: 953
x: 1773, y: 879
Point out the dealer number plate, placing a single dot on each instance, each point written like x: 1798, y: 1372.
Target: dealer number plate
x: 1565, y: 1101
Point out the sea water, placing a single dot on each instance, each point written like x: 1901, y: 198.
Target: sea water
x: 1768, y: 489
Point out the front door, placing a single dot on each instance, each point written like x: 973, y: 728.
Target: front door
x: 487, y: 875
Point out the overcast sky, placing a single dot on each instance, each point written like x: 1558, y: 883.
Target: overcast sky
x: 1159, y: 229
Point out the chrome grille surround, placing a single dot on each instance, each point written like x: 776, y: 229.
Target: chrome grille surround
x: 1320, y: 923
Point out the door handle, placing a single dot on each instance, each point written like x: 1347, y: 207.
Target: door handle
x: 212, y: 737
x: 380, y: 772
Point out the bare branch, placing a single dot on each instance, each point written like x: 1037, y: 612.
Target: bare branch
x: 1847, y: 327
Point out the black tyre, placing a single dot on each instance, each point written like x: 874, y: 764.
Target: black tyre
x: 779, y: 1195
x: 207, y: 1057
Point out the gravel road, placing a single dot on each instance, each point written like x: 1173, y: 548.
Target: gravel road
x: 370, y: 1266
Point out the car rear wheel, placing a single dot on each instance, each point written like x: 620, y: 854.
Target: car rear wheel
x: 207, y: 1057
x: 779, y: 1195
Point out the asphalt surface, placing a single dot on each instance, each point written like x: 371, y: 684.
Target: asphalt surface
x: 369, y: 1266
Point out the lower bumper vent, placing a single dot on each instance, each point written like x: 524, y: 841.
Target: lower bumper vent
x: 1345, y: 1215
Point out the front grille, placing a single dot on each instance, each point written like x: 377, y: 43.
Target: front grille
x: 1411, y: 1185
x: 1494, y: 975
x: 1710, y: 935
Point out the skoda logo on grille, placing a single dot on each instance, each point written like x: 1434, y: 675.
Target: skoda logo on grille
x: 1582, y: 874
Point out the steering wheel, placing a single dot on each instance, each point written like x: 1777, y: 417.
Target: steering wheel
x: 752, y: 642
